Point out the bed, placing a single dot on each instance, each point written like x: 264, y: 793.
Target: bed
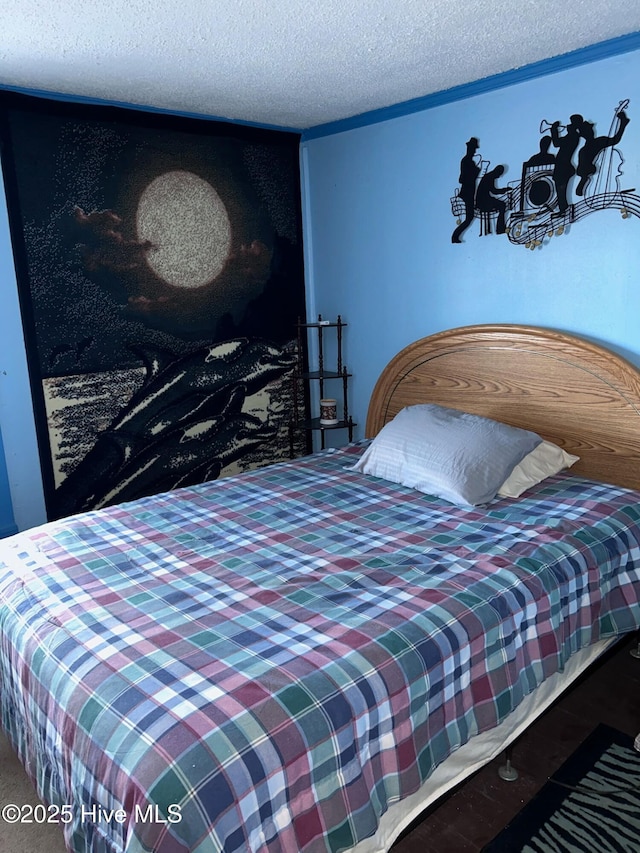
x: 302, y: 658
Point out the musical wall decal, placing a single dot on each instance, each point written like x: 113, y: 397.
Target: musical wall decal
x: 573, y: 174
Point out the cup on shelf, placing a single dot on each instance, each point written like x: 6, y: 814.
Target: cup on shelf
x: 328, y: 412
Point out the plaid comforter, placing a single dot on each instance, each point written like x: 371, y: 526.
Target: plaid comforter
x: 267, y: 662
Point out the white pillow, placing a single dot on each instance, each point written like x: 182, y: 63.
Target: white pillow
x: 544, y: 460
x: 453, y: 455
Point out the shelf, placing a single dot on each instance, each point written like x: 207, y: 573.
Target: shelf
x: 320, y: 374
x: 331, y: 325
x: 314, y: 424
x: 324, y: 374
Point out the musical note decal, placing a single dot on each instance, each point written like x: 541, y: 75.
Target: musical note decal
x: 574, y: 173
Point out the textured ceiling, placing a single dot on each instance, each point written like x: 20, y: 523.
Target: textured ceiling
x: 284, y: 62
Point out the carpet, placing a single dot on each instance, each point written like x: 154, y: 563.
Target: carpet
x: 590, y: 805
x: 16, y: 788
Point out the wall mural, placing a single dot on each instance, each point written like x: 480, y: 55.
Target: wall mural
x: 160, y: 275
x: 574, y: 173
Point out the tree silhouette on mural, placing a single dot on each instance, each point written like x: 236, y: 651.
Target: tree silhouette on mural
x: 544, y: 202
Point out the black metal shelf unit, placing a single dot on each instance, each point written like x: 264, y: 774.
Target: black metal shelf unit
x: 303, y: 378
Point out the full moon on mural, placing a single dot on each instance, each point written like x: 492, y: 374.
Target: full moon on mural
x: 186, y: 222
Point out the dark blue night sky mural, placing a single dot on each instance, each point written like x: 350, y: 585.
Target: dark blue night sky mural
x: 160, y: 276
x: 574, y: 173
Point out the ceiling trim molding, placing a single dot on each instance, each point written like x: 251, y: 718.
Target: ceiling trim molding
x: 564, y: 62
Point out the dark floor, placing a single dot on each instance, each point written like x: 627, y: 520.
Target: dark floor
x: 476, y: 811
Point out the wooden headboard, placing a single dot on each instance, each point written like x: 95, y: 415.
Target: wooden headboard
x: 580, y: 395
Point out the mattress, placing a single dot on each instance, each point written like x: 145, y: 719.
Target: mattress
x: 268, y: 662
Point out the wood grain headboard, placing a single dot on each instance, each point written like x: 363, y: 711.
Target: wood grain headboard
x: 578, y: 394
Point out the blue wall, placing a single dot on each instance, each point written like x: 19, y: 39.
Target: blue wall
x: 378, y: 225
x: 7, y: 523
x: 22, y: 472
